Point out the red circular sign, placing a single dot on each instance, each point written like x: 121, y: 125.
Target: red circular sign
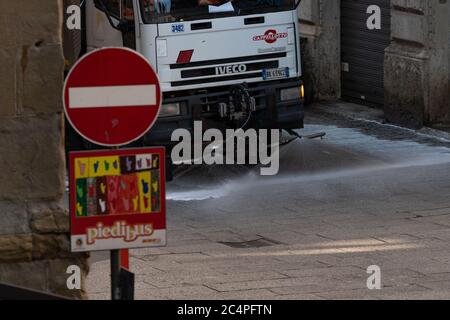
x: 112, y: 96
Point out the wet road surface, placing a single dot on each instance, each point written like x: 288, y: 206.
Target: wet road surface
x: 367, y: 194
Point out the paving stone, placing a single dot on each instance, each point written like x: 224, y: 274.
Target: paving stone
x: 435, y: 285
x: 301, y: 296
x: 418, y: 295
x: 337, y: 272
x: 351, y: 294
x: 285, y: 285
x: 198, y: 292
x: 315, y: 285
x: 258, y: 294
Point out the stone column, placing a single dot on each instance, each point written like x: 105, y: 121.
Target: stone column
x: 34, y: 244
x: 417, y: 64
x: 321, y: 48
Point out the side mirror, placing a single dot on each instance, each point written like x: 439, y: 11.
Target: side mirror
x: 123, y: 26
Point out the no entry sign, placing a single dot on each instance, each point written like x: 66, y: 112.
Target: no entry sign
x: 117, y: 199
x: 112, y: 96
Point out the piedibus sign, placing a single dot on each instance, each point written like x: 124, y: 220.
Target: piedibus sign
x: 117, y: 199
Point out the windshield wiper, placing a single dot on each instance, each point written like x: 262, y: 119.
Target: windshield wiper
x: 204, y: 14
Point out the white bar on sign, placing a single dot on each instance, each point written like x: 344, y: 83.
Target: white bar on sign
x: 112, y: 96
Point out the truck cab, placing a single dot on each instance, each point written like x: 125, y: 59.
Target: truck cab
x: 229, y: 64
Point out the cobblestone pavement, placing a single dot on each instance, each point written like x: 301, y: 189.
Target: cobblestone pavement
x: 367, y: 194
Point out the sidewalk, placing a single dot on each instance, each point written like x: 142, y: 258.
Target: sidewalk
x: 354, y: 111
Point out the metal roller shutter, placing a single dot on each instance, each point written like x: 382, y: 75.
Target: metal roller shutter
x: 363, y: 51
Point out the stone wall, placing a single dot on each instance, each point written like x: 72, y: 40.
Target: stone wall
x: 34, y: 244
x: 321, y: 50
x: 417, y: 64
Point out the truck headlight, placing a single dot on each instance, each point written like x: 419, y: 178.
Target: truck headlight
x: 170, y: 110
x: 290, y: 94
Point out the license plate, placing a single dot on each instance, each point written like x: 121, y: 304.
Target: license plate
x: 269, y: 74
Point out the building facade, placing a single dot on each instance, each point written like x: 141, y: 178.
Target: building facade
x: 391, y: 54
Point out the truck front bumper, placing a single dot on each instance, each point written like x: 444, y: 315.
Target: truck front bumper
x: 271, y: 111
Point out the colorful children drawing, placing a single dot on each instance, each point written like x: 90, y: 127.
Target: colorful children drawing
x: 115, y: 185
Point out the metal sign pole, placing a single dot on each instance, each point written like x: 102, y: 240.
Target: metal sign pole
x: 115, y: 275
x: 116, y: 291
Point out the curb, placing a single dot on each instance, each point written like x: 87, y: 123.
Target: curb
x: 357, y: 112
x: 434, y: 133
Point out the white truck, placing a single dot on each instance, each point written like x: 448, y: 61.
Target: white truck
x: 225, y: 63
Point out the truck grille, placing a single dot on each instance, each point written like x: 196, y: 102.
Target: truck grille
x: 213, y: 98
x: 209, y: 74
x: 228, y: 60
x: 216, y: 79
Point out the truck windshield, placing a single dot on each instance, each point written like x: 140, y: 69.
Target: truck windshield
x: 161, y: 11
